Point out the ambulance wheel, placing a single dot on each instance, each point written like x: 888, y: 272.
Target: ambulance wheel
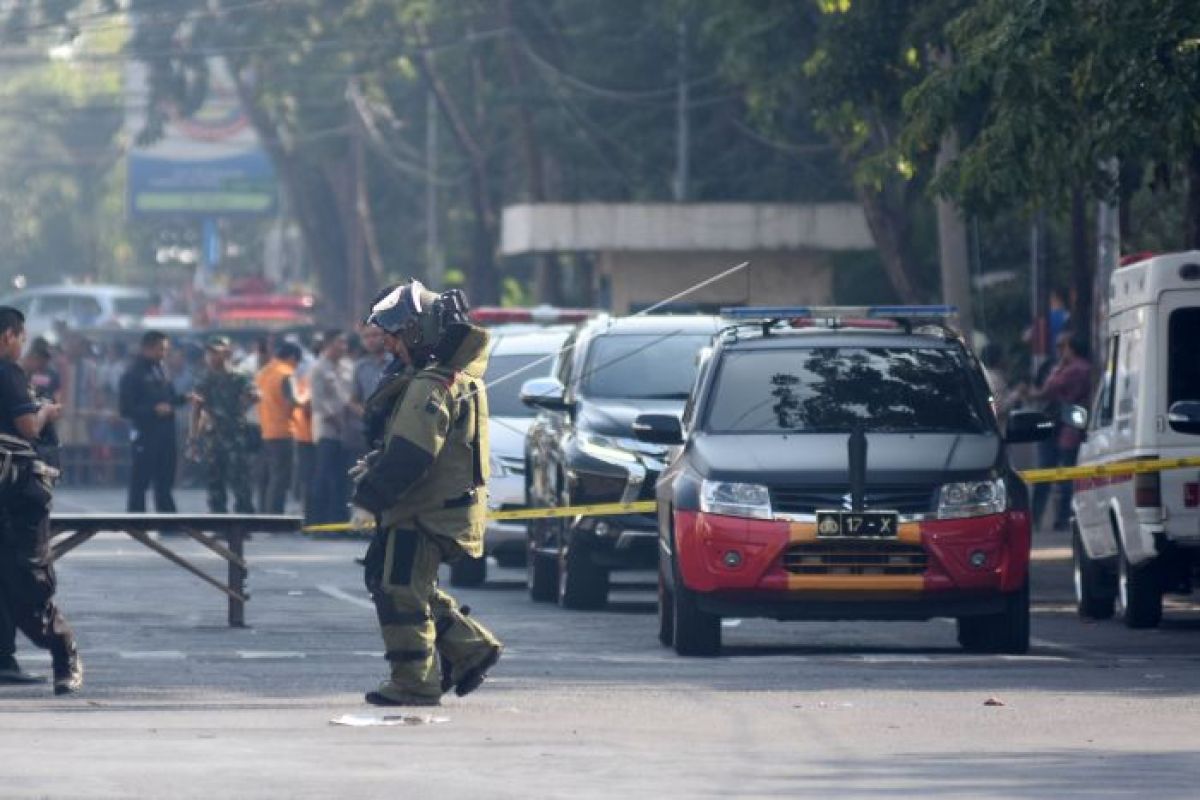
x: 582, y: 584
x: 697, y: 633
x: 468, y: 572
x: 1139, y: 593
x: 1003, y: 632
x: 666, y: 611
x: 1095, y: 588
x: 541, y: 576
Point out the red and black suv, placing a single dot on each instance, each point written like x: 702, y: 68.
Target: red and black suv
x: 836, y: 468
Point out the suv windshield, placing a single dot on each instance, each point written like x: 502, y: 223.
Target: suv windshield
x: 504, y: 398
x: 830, y: 389
x: 643, y: 366
x: 133, y: 306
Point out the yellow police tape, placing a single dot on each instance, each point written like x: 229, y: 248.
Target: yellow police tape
x: 1050, y: 475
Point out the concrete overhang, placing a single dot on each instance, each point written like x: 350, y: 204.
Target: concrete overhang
x: 683, y: 227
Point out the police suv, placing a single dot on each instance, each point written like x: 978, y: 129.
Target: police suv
x: 1138, y: 536
x: 837, y: 463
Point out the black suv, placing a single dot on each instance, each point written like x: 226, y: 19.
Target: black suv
x: 581, y: 448
x: 851, y: 470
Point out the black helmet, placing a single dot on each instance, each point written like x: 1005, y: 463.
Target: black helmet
x: 417, y: 315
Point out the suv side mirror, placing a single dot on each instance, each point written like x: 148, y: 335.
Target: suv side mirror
x: 1028, y: 426
x: 1075, y: 417
x: 545, y: 392
x: 1184, y: 416
x: 658, y: 429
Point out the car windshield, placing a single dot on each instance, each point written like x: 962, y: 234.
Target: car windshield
x: 832, y: 389
x: 504, y: 397
x: 650, y: 366
x: 132, y: 306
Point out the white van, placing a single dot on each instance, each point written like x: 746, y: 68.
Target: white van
x: 1138, y: 536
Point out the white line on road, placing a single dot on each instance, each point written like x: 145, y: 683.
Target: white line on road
x: 270, y: 654
x: 152, y: 655
x: 337, y: 593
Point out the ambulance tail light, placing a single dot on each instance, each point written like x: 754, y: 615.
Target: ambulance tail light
x: 1147, y: 490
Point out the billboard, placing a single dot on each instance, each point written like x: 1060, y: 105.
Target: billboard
x: 209, y: 164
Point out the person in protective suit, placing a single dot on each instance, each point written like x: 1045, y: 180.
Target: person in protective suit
x: 425, y: 486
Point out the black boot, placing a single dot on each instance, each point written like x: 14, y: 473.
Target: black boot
x: 68, y: 670
x: 11, y: 672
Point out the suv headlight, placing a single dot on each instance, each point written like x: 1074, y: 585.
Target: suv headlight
x: 605, y: 448
x: 735, y: 499
x: 972, y: 499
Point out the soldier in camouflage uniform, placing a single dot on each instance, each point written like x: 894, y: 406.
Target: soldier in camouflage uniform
x: 220, y: 435
x: 426, y: 487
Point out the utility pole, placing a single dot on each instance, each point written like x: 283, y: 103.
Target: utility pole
x: 1108, y: 240
x: 434, y: 267
x: 682, y: 122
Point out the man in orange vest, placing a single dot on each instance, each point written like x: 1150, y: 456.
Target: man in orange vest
x: 275, y: 408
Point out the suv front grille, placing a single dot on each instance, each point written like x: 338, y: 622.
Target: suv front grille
x: 855, y: 558
x: 809, y: 500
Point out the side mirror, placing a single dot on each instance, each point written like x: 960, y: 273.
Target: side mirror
x: 658, y: 429
x: 1075, y: 416
x: 546, y: 392
x: 1028, y: 426
x: 1184, y: 416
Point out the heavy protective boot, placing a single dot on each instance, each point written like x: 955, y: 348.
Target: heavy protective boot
x: 68, y: 669
x: 395, y: 697
x: 12, y: 674
x: 474, y: 676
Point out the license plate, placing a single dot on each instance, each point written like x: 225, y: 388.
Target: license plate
x: 860, y: 524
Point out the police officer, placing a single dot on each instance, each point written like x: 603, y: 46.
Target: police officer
x: 148, y: 400
x: 219, y: 432
x: 426, y: 488
x: 26, y: 575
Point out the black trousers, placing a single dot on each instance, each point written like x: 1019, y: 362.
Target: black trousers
x: 277, y: 462
x: 27, y: 581
x: 153, y: 463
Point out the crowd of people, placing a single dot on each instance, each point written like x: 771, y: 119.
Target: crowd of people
x: 274, y: 425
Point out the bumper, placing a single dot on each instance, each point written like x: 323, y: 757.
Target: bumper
x: 932, y: 568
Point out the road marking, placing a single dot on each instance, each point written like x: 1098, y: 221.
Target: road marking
x: 153, y: 655
x: 269, y: 654
x: 338, y: 594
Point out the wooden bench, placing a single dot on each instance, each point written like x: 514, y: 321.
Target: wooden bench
x: 223, y: 534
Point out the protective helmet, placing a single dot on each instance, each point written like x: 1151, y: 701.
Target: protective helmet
x: 416, y: 315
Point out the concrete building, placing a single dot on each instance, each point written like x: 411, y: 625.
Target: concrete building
x: 646, y: 252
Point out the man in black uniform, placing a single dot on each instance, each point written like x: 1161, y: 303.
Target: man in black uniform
x: 148, y: 401
x: 26, y: 575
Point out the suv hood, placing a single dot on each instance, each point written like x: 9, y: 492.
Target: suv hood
x: 821, y: 459
x: 615, y: 417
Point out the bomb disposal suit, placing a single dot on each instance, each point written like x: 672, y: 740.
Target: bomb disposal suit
x: 425, y: 484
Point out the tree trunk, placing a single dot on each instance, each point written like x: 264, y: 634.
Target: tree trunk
x: 888, y: 230
x: 1082, y: 274
x: 1192, y: 223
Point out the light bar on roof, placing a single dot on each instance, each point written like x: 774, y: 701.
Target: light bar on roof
x: 838, y: 312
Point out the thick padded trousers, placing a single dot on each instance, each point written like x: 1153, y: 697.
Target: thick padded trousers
x: 418, y: 620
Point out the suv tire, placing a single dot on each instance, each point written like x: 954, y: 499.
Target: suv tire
x: 541, y: 574
x: 1003, y: 632
x: 1139, y: 592
x: 666, y: 611
x: 697, y: 633
x: 1095, y: 586
x: 468, y: 572
x: 582, y: 585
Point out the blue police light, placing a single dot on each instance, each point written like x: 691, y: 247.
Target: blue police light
x: 838, y: 312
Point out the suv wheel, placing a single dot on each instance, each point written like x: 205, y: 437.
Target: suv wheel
x: 1004, y: 632
x: 582, y: 585
x: 541, y: 573
x: 666, y: 611
x: 1095, y: 589
x: 1139, y: 592
x: 468, y: 572
x: 697, y: 633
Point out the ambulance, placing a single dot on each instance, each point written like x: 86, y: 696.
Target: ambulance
x: 1137, y: 537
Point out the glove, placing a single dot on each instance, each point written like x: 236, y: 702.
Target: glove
x: 361, y: 519
x: 362, y: 465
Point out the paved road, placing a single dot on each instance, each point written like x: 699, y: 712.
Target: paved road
x: 584, y: 704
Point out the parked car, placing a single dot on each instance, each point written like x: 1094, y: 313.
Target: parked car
x: 1136, y: 537
x: 854, y: 471
x: 513, y: 359
x: 581, y: 448
x: 80, y: 306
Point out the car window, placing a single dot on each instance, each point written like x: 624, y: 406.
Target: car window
x: 504, y: 397
x: 1183, y: 357
x: 85, y: 309
x: 57, y: 304
x: 132, y: 306
x: 642, y: 366
x: 832, y: 389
